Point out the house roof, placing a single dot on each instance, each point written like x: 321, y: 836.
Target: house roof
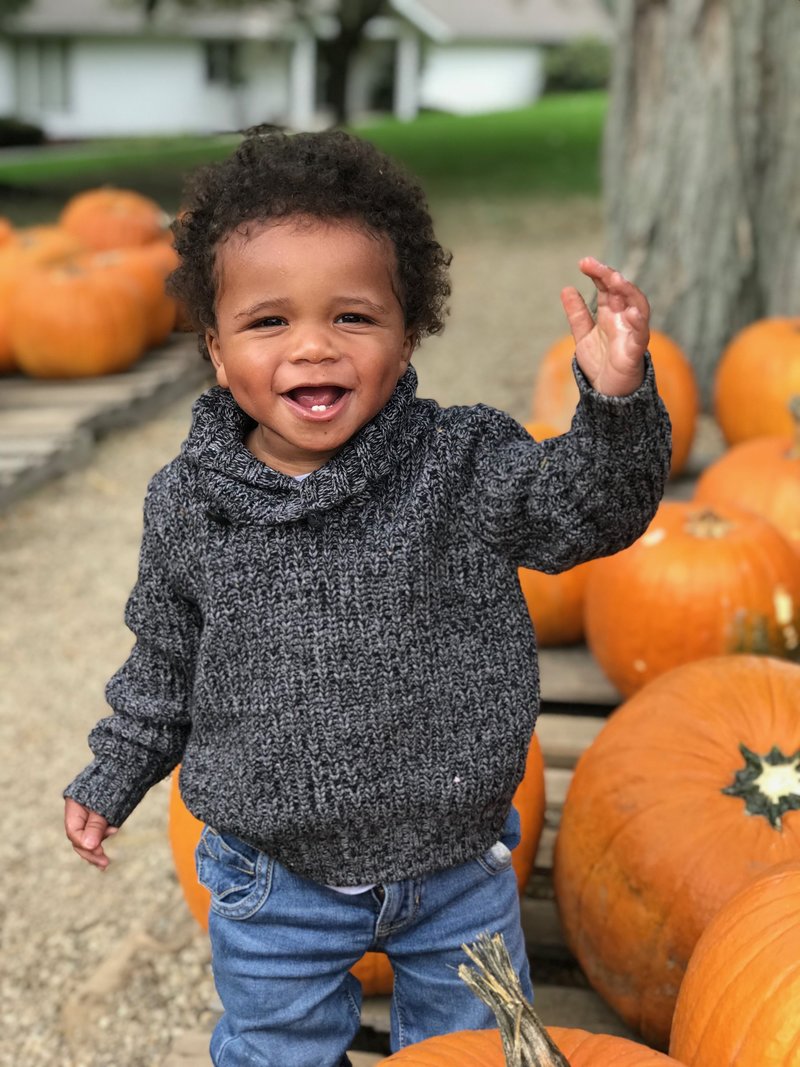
x: 542, y: 21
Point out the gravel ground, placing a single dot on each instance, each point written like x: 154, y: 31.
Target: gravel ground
x: 106, y: 969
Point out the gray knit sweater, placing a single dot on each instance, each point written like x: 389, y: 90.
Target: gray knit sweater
x: 345, y: 666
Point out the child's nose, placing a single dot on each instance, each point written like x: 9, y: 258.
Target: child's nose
x: 314, y: 345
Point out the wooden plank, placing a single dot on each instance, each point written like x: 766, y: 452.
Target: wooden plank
x: 556, y: 784
x: 564, y: 737
x: 49, y: 427
x: 570, y: 675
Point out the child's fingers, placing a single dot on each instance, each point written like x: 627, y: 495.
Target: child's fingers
x: 581, y: 321
x: 611, y: 282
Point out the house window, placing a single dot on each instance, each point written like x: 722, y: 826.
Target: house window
x: 42, y: 75
x: 223, y: 63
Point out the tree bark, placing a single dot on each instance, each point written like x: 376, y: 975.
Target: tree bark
x: 339, y: 51
x: 702, y: 165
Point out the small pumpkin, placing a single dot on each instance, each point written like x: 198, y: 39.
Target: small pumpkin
x: 373, y: 970
x: 699, y: 582
x: 107, y: 218
x: 147, y: 267
x: 20, y: 251
x: 756, y: 377
x: 762, y: 475
x: 691, y: 788
x: 739, y: 1002
x: 520, y: 1040
x: 555, y: 601
x: 74, y: 321
x: 555, y: 394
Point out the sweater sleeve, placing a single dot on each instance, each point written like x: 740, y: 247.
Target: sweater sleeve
x: 590, y: 492
x: 143, y: 740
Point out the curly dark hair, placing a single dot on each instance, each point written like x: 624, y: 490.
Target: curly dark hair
x: 329, y: 175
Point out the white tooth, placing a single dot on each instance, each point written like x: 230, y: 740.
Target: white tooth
x: 319, y: 407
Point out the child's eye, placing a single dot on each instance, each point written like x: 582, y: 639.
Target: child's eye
x: 268, y: 320
x: 352, y: 317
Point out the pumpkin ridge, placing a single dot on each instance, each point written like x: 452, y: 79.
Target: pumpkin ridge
x: 664, y: 928
x: 766, y: 994
x: 606, y: 843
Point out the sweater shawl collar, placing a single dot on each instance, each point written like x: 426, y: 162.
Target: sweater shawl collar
x: 237, y: 488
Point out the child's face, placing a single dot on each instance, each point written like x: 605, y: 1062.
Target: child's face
x: 310, y: 335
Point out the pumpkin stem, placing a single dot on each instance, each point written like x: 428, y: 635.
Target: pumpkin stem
x: 768, y: 784
x: 707, y: 523
x: 494, y: 981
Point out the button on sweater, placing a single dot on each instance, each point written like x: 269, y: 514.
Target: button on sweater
x: 345, y: 666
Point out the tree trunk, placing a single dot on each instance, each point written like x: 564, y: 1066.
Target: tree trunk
x: 702, y: 165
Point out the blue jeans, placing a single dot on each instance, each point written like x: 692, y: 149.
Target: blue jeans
x: 282, y: 948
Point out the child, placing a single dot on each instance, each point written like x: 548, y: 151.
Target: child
x: 331, y: 638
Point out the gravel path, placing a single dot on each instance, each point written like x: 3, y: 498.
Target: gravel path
x: 106, y: 969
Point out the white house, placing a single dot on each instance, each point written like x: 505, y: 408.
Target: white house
x: 83, y: 68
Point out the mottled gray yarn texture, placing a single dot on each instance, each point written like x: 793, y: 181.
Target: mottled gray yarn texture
x: 345, y: 666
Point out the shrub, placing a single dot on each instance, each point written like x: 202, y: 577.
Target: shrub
x: 577, y: 65
x: 15, y: 132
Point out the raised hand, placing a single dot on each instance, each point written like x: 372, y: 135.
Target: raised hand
x: 610, y: 348
x: 86, y: 831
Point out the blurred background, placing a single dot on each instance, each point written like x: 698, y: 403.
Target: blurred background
x: 663, y: 135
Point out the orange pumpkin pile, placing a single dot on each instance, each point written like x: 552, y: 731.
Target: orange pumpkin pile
x: 86, y: 297
x: 691, y: 788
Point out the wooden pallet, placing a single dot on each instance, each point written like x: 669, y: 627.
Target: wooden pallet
x: 50, y: 427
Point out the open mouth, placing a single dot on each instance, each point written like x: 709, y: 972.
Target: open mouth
x: 317, y: 399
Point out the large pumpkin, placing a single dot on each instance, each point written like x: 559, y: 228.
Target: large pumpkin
x: 373, y: 971
x: 74, y: 321
x: 555, y: 394
x: 21, y: 251
x: 483, y: 1048
x: 757, y: 375
x: 690, y: 789
x: 762, y: 475
x: 107, y: 218
x: 520, y: 1039
x: 697, y: 583
x: 739, y: 1002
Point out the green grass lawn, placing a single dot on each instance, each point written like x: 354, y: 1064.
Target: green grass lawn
x: 551, y: 148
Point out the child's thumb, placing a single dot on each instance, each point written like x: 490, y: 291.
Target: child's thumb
x: 94, y: 831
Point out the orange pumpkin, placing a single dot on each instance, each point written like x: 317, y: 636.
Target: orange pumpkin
x: 556, y: 604
x: 147, y: 267
x: 21, y: 251
x: 72, y: 321
x: 555, y: 601
x: 483, y: 1048
x: 690, y: 789
x: 113, y: 218
x: 373, y: 970
x: 697, y: 583
x: 762, y: 475
x: 555, y: 393
x: 757, y: 375
x: 739, y: 1002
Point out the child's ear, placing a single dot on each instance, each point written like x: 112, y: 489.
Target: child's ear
x: 212, y: 344
x: 409, y: 344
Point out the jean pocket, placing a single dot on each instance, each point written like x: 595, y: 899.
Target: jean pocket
x: 496, y: 859
x: 237, y: 876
